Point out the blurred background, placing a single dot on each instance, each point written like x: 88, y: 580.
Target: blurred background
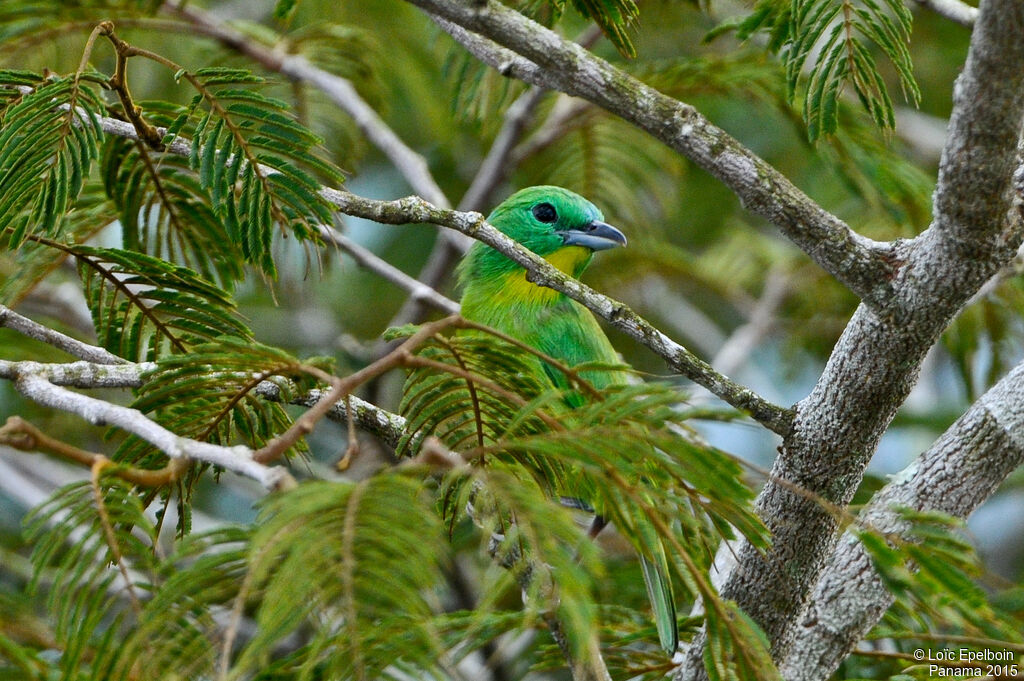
x: 714, y: 277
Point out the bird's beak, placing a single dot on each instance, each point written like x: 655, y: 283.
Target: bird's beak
x: 595, y: 235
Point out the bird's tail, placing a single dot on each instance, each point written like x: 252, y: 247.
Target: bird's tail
x: 659, y: 591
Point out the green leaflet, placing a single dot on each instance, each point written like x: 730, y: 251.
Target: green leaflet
x: 931, y: 570
x: 163, y: 209
x: 144, y: 307
x: 176, y: 628
x: 34, y: 261
x: 257, y: 163
x: 209, y: 394
x: 86, y: 593
x: 354, y: 538
x: 49, y: 137
x: 826, y: 45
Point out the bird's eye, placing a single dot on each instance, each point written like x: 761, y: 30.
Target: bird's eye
x: 545, y: 212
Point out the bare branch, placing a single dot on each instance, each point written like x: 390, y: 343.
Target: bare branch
x: 339, y: 90
x: 415, y: 210
x: 389, y: 427
x: 72, y: 346
x: 530, y: 52
x: 954, y: 10
x: 80, y: 374
x: 86, y: 375
x: 238, y: 459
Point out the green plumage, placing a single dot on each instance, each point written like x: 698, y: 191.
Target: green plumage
x: 565, y: 229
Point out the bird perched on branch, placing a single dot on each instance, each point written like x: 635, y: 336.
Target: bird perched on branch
x: 565, y: 229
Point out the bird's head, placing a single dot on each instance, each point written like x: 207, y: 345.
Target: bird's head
x: 555, y: 223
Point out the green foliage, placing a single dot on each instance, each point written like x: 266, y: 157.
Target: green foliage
x: 209, y: 394
x: 316, y: 558
x: 163, y: 209
x: 256, y: 161
x: 827, y: 44
x: 347, y: 579
x: 85, y: 538
x: 144, y: 307
x: 931, y: 570
x: 455, y: 410
x: 613, y: 17
x: 176, y: 628
x: 49, y: 137
x: 35, y: 261
x: 625, y: 450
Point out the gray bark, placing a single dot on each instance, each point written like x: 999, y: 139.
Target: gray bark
x: 910, y: 290
x: 976, y: 230
x: 954, y: 476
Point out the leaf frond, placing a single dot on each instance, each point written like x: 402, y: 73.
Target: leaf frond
x: 49, y: 137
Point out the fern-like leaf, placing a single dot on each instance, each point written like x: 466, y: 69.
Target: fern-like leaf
x: 209, y: 395
x: 827, y: 44
x: 256, y: 162
x: 462, y: 413
x: 164, y: 211
x: 86, y: 550
x: 144, y: 307
x: 49, y: 136
x: 34, y: 261
x: 347, y: 541
x: 176, y: 629
x: 931, y: 570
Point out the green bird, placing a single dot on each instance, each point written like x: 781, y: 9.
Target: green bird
x: 565, y: 229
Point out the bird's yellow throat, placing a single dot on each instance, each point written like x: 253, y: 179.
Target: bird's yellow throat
x: 516, y: 289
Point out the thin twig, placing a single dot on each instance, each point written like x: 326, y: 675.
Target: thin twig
x: 954, y: 10
x: 341, y: 387
x: 238, y: 459
x: 76, y: 348
x: 21, y: 434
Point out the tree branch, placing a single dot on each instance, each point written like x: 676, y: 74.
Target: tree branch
x: 954, y: 10
x: 410, y: 164
x: 32, y: 382
x: 976, y: 231
x: 537, y: 55
x: 954, y: 476
x: 86, y: 375
x: 343, y: 387
x: 415, y: 210
x: 76, y: 348
x: 21, y: 434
